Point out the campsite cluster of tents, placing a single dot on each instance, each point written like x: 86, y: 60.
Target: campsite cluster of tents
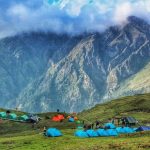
x: 11, y: 116
x: 104, y: 132
x: 109, y: 132
x: 83, y: 131
x: 53, y: 132
x: 109, y: 128
x: 23, y: 118
x: 72, y: 118
x: 61, y: 117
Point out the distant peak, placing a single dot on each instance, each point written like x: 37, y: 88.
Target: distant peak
x: 137, y: 20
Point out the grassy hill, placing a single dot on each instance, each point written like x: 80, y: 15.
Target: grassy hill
x: 21, y: 136
x: 137, y: 106
x: 9, y: 127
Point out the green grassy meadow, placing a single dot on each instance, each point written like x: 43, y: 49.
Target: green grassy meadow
x: 35, y: 141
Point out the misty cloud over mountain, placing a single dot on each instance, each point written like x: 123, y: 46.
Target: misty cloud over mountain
x: 67, y: 16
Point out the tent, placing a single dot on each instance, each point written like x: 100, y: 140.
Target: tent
x: 79, y: 127
x: 75, y: 118
x: 143, y: 128
x: 102, y: 132
x: 81, y: 133
x: 91, y: 133
x: 2, y: 114
x: 112, y: 132
x: 124, y: 130
x: 32, y: 118
x: 110, y: 126
x: 120, y: 130
x: 128, y: 130
x: 56, y: 119
x: 78, y: 122
x: 53, y: 132
x: 135, y: 129
x: 71, y: 119
x: 61, y: 117
x: 12, y: 116
x: 24, y: 118
x: 130, y: 120
x: 108, y: 132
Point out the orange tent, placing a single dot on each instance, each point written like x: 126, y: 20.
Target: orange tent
x: 75, y: 118
x: 68, y: 117
x: 61, y: 117
x: 58, y: 118
x: 55, y: 118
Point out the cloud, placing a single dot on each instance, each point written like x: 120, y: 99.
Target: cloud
x: 67, y: 16
x: 122, y: 12
x: 18, y: 11
x: 75, y: 11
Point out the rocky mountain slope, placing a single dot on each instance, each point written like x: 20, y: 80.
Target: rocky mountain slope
x: 44, y: 71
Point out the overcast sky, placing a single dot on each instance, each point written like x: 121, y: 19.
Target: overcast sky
x: 67, y: 16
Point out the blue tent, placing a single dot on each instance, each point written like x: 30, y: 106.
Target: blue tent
x: 135, y: 129
x: 81, y: 133
x: 128, y: 130
x: 92, y: 133
x: 112, y: 132
x: 102, y: 132
x: 124, y: 130
x: 110, y: 126
x: 143, y: 128
x: 120, y: 130
x: 71, y: 119
x: 53, y: 132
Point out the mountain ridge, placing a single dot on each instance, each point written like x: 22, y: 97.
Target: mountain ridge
x: 72, y: 73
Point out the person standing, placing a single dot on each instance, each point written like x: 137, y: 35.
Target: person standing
x: 44, y: 130
x: 97, y: 123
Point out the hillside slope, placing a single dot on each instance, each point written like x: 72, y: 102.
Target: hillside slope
x: 137, y: 106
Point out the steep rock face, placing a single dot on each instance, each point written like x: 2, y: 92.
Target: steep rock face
x: 70, y: 83
x: 25, y: 57
x: 133, y: 44
x: 138, y: 83
x: 43, y: 72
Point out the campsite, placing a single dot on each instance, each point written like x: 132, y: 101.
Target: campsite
x: 74, y: 74
x: 21, y: 135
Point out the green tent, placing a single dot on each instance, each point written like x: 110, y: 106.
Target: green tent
x: 2, y: 114
x: 78, y: 122
x: 12, y: 116
x: 23, y: 118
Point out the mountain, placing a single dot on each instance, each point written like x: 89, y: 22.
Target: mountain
x: 45, y: 71
x: 138, y: 83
